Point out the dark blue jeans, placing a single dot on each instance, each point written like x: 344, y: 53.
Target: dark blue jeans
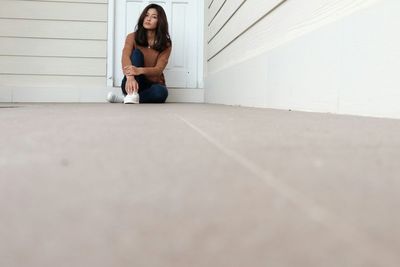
x: 148, y: 92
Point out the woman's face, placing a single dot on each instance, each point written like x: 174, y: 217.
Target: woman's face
x: 151, y: 19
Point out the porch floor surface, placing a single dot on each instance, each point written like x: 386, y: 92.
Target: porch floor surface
x: 196, y: 185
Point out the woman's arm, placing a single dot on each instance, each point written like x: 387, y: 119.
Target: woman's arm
x: 158, y: 69
x: 127, y: 51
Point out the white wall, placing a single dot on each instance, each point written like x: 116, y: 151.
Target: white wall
x: 50, y: 48
x: 338, y: 56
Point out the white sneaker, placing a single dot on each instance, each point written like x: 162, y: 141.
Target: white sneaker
x: 132, y: 99
x: 113, y: 98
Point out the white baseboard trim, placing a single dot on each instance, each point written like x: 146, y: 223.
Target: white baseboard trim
x: 189, y: 95
x: 85, y: 95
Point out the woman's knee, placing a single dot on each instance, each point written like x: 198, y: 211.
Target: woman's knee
x: 137, y: 58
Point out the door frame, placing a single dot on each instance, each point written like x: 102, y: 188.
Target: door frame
x: 111, y: 43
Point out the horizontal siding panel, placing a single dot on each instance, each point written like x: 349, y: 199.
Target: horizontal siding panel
x: 53, y: 10
x: 288, y: 22
x: 214, y: 9
x: 53, y: 29
x: 74, y: 1
x: 52, y: 47
x: 51, y: 81
x: 223, y: 17
x: 248, y: 14
x: 53, y: 66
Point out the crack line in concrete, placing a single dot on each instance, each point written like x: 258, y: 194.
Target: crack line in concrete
x: 316, y: 212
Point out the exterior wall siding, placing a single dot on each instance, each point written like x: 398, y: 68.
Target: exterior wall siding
x: 53, y: 43
x: 337, y: 56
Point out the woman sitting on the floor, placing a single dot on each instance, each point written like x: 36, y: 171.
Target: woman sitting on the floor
x: 144, y: 58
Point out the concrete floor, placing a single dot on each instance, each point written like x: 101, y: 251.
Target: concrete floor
x: 187, y: 185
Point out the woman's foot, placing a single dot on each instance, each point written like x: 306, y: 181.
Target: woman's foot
x: 113, y: 98
x: 132, y: 99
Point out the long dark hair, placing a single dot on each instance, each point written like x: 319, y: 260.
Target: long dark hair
x: 162, y: 38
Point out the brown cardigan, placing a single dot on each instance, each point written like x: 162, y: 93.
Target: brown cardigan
x: 154, y: 61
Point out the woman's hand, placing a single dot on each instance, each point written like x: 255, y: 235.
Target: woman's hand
x: 132, y: 70
x: 131, y: 85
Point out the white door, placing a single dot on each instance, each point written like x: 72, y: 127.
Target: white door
x: 181, y: 70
